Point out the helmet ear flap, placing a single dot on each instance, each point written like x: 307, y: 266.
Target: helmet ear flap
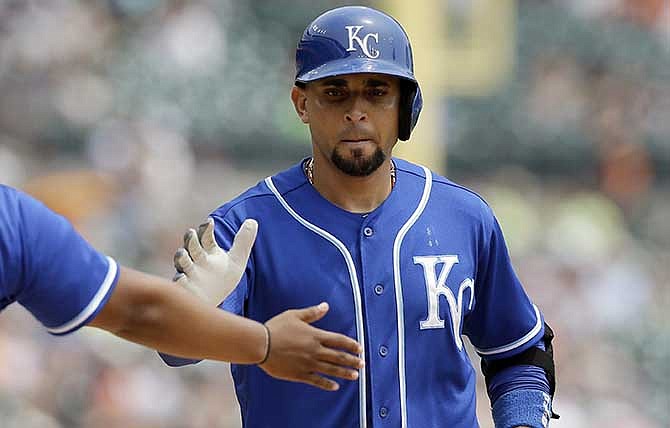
x: 410, y: 107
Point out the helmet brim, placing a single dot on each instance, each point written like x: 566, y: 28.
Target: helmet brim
x: 355, y: 65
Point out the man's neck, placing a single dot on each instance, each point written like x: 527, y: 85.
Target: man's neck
x: 353, y: 194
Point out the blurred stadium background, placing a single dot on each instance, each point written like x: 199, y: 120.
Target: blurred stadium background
x: 135, y: 118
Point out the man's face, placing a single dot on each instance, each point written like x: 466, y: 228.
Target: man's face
x: 353, y: 119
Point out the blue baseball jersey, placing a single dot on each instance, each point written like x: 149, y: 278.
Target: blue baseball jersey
x: 407, y: 281
x: 47, y: 267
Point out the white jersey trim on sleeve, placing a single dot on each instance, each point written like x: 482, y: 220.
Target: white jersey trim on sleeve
x: 517, y: 343
x: 353, y: 277
x: 398, y: 292
x: 92, y: 305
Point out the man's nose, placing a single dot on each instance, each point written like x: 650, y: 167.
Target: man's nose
x: 357, y: 111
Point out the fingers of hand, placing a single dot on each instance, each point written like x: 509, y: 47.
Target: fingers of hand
x: 336, y: 371
x: 320, y: 382
x: 340, y: 341
x: 340, y: 358
x: 206, y: 236
x: 183, y: 262
x: 192, y: 244
x: 244, y: 241
x: 313, y: 313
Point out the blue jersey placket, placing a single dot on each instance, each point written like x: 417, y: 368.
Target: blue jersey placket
x: 353, y: 277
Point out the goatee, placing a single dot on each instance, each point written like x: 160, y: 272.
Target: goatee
x: 358, y: 165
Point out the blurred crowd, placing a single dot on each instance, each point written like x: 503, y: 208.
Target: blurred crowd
x: 135, y: 118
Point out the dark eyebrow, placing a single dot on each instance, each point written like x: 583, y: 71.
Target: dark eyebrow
x: 334, y: 82
x: 342, y: 83
x: 376, y: 82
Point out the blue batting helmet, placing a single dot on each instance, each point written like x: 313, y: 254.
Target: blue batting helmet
x: 357, y: 39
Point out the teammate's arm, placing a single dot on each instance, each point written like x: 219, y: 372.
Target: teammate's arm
x: 156, y: 313
x: 47, y: 267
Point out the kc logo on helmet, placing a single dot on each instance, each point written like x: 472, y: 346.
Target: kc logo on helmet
x: 363, y: 43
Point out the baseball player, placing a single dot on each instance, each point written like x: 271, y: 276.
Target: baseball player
x: 410, y: 261
x: 52, y: 271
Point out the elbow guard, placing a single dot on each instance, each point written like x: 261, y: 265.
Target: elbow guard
x: 533, y: 356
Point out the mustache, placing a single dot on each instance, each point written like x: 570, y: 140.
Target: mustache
x: 356, y: 133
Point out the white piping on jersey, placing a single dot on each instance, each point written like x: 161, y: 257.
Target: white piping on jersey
x: 398, y: 292
x: 532, y: 333
x: 93, y: 304
x: 353, y: 277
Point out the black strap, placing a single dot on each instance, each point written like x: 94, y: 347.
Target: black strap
x: 533, y: 357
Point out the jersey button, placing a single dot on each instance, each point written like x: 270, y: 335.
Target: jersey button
x: 383, y: 351
x: 379, y: 289
x: 383, y: 412
x: 367, y: 231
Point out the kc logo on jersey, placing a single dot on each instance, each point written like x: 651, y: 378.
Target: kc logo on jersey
x: 363, y: 43
x: 436, y: 286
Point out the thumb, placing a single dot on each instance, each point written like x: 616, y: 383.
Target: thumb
x: 244, y: 240
x: 313, y: 313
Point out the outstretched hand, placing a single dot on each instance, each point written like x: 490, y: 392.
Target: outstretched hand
x: 303, y: 353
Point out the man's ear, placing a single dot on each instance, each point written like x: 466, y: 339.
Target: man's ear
x: 299, y: 100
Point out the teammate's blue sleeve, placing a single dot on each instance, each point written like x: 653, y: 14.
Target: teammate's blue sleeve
x: 224, y: 233
x: 48, y: 267
x: 503, y: 321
